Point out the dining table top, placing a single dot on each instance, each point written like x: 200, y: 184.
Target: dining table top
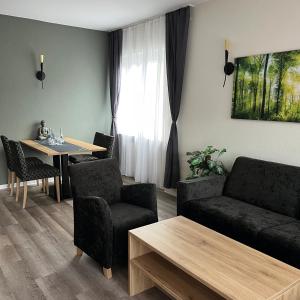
x: 70, y: 147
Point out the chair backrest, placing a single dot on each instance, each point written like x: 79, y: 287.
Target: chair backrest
x: 101, y: 178
x: 265, y: 184
x: 19, y: 159
x: 8, y: 153
x: 105, y: 141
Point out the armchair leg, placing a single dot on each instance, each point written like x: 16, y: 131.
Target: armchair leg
x: 57, y: 185
x: 79, y: 252
x: 25, y: 194
x: 18, y: 189
x: 107, y: 273
x: 12, y: 183
x: 37, y: 182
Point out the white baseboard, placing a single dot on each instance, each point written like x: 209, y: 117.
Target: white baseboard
x: 32, y: 182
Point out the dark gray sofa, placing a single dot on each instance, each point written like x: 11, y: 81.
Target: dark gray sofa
x: 257, y: 204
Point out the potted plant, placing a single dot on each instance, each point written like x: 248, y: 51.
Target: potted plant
x: 206, y: 162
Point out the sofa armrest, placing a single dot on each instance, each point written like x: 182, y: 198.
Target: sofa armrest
x: 142, y: 194
x: 198, y: 188
x: 93, y: 229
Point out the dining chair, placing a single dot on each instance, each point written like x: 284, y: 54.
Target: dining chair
x: 30, y: 161
x: 100, y: 139
x: 25, y: 172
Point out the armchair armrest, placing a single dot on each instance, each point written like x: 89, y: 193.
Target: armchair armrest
x: 142, y: 194
x: 199, y: 188
x: 93, y: 229
x: 94, y: 207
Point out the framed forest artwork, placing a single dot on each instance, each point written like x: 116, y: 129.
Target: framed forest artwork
x: 267, y: 87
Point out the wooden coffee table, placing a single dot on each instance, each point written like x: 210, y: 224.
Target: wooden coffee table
x: 189, y: 261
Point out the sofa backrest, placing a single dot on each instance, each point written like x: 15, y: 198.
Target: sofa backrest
x: 266, y: 184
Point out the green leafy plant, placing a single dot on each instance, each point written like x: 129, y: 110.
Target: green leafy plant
x: 206, y: 162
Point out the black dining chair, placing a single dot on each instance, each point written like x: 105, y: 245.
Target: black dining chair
x: 100, y: 139
x: 25, y: 172
x: 105, y: 209
x: 30, y: 161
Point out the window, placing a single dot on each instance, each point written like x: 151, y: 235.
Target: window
x: 143, y: 117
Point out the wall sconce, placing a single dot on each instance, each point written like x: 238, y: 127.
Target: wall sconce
x: 40, y: 75
x: 229, y: 66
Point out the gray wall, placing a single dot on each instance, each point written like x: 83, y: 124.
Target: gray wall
x: 75, y: 95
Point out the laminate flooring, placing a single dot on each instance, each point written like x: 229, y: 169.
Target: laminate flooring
x: 37, y: 254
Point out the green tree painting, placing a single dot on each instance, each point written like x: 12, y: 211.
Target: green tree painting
x: 267, y: 87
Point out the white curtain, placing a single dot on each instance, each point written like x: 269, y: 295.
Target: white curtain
x: 143, y: 118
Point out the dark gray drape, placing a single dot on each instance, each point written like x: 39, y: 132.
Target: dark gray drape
x: 115, y: 53
x: 177, y: 27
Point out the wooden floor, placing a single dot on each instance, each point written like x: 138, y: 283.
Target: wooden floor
x: 37, y: 255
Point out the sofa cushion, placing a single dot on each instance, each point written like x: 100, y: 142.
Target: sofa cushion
x: 282, y: 242
x: 240, y: 220
x: 126, y: 217
x: 269, y: 185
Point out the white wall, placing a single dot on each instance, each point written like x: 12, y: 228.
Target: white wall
x: 252, y: 27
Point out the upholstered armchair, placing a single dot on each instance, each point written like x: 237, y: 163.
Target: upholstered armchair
x: 105, y: 209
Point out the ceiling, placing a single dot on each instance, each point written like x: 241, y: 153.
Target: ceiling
x: 92, y: 14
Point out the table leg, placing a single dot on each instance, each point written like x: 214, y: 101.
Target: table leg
x: 61, y: 162
x: 66, y: 188
x: 56, y: 161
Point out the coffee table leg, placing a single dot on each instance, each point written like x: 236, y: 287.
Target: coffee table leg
x: 137, y: 282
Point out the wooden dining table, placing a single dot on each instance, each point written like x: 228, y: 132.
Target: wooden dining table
x: 60, y: 155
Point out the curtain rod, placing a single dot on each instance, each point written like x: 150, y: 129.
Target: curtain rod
x: 149, y: 19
